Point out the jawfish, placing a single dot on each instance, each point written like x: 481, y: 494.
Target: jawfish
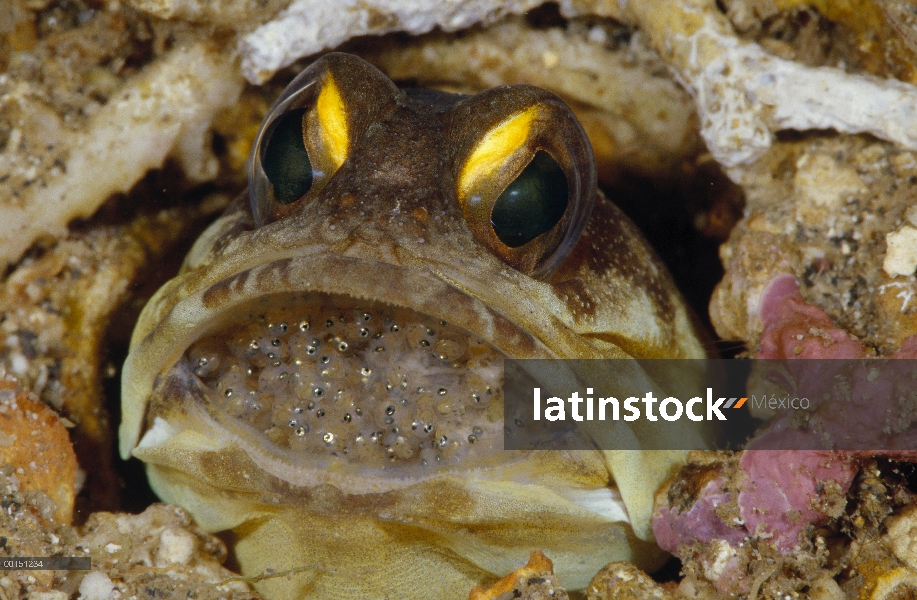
x: 324, y: 375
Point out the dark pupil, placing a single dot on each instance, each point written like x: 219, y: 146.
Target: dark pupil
x: 532, y: 204
x: 285, y: 160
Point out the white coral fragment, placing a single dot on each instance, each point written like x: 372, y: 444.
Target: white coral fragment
x: 165, y: 110
x: 744, y: 94
x: 901, y: 256
x: 223, y: 12
x: 96, y: 586
x: 762, y: 94
x: 308, y: 26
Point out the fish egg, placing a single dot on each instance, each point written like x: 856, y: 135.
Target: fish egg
x: 381, y: 385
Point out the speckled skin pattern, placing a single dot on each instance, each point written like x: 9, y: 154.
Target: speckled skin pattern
x: 388, y: 226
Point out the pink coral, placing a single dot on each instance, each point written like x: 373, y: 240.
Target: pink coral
x: 699, y: 523
x: 794, y: 329
x: 780, y: 497
x: 874, y: 415
x: 781, y: 493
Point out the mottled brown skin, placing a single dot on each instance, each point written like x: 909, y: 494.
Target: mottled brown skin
x: 389, y: 225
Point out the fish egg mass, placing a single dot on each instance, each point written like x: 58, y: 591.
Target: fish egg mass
x: 364, y: 381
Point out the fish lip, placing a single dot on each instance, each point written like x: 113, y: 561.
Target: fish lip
x: 209, y: 308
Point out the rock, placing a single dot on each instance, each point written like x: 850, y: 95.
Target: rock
x: 36, y: 449
x: 534, y: 581
x: 624, y: 581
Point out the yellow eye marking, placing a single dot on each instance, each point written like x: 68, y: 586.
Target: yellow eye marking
x: 332, y: 117
x: 494, y: 147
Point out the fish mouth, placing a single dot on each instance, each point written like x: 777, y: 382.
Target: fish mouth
x: 337, y: 358
x: 363, y: 381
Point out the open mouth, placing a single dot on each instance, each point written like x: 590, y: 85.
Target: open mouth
x: 365, y: 381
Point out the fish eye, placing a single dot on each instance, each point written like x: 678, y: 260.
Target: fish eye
x: 285, y: 159
x: 532, y: 204
x: 524, y: 176
x: 307, y: 134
